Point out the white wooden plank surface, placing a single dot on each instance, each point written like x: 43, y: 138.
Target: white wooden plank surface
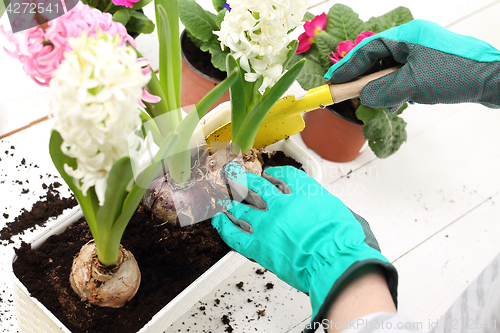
x: 434, y: 274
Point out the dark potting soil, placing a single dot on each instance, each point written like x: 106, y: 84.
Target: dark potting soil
x: 50, y: 205
x: 347, y: 109
x: 279, y: 158
x: 200, y: 60
x: 169, y: 259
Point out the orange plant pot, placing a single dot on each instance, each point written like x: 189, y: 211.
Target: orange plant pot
x: 195, y: 84
x: 332, y: 136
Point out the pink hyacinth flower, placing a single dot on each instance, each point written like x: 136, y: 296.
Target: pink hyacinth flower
x: 41, y: 50
x: 342, y: 49
x: 126, y: 3
x: 362, y: 36
x: 146, y: 95
x: 312, y: 29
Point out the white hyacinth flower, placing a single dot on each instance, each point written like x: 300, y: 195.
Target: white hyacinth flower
x: 256, y: 31
x: 95, y: 109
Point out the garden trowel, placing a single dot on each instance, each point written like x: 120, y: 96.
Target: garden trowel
x: 284, y: 119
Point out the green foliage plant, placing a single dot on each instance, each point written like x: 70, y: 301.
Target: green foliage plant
x: 167, y: 112
x: 134, y: 19
x: 384, y: 131
x: 200, y: 24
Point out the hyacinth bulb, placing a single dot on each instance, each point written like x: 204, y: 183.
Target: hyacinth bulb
x: 205, y: 194
x: 101, y: 285
x: 181, y: 205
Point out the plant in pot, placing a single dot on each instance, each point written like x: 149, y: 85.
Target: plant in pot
x: 93, y: 146
x: 161, y: 117
x: 127, y: 12
x: 203, y: 59
x: 258, y: 60
x: 99, y: 81
x: 338, y: 133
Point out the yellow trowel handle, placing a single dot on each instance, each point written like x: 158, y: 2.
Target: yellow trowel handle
x: 326, y: 95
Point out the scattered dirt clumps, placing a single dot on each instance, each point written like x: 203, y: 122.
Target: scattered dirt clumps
x: 50, y: 205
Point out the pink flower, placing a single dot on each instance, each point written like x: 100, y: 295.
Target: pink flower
x: 344, y: 47
x: 312, y: 29
x: 146, y: 95
x: 126, y: 3
x: 41, y: 50
x: 362, y: 36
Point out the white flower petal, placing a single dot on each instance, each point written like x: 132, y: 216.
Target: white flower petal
x: 97, y: 88
x: 256, y: 29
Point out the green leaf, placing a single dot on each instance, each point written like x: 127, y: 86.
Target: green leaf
x: 180, y: 160
x: 384, y: 131
x: 401, y: 109
x: 292, y: 46
x: 138, y: 190
x: 116, y: 191
x: 140, y: 4
x: 308, y: 16
x: 60, y: 159
x: 218, y: 4
x: 237, y: 94
x: 248, y: 130
x: 312, y: 75
x: 220, y: 17
x: 197, y: 21
x: 2, y: 8
x: 326, y: 44
x: 343, y: 23
x: 170, y: 52
x: 139, y: 22
x: 122, y: 16
x: 389, y: 20
x: 218, y: 56
x: 149, y: 125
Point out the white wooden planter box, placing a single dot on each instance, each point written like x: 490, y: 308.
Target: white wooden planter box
x: 33, y: 316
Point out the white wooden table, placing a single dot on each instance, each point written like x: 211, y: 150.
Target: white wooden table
x: 434, y: 205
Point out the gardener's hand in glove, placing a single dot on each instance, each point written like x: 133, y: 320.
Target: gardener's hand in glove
x: 295, y: 228
x: 439, y: 66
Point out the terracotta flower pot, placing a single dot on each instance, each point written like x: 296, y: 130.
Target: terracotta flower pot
x: 333, y: 136
x: 196, y: 84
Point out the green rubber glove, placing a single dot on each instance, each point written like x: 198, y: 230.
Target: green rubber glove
x: 439, y: 67
x: 295, y: 228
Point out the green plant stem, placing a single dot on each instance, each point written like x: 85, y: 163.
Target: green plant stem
x: 248, y: 130
x: 170, y: 59
x: 179, y: 162
x: 236, y: 93
x: 108, y: 6
x: 167, y: 121
x: 116, y: 191
x: 136, y: 194
x: 88, y: 203
x: 120, y: 206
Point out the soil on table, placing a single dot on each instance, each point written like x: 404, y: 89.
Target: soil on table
x: 170, y: 258
x: 200, y: 60
x: 51, y: 205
